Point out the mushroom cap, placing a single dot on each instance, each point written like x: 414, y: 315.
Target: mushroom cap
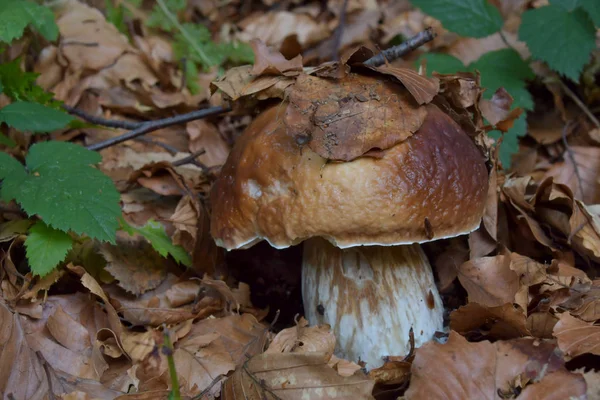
x: 431, y: 185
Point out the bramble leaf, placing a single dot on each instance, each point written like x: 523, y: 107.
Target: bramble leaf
x: 471, y: 18
x: 21, y: 86
x: 12, y: 173
x: 593, y: 9
x: 46, y: 248
x: 505, y: 68
x: 510, y: 142
x: 34, y: 117
x: 16, y: 15
x: 566, y: 47
x: 63, y: 188
x: 441, y: 63
x: 155, y: 233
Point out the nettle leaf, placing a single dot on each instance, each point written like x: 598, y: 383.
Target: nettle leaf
x: 16, y: 15
x: 34, y: 117
x: 63, y: 188
x: 566, y: 47
x: 510, y: 141
x: 505, y: 68
x: 155, y: 233
x: 46, y: 248
x: 471, y: 18
x: 441, y: 63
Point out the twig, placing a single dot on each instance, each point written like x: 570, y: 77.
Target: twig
x: 173, y: 19
x: 337, y: 38
x: 165, y: 146
x: 579, y: 103
x: 110, y: 123
x: 398, y: 51
x: 151, y: 126
x: 188, y: 159
x: 572, y: 157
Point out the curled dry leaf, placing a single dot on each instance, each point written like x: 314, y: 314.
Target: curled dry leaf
x: 489, y: 281
x: 271, y: 62
x: 484, y: 370
x: 303, y: 339
x: 497, y: 110
x: 422, y: 88
x: 577, y: 337
x: 579, y: 171
x: 294, y: 376
x: 502, y: 322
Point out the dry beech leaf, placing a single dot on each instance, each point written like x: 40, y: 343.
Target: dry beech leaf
x: 489, y: 280
x: 541, y: 324
x: 502, y: 322
x: 272, y: 62
x: 583, y: 182
x: 497, y: 110
x: 576, y: 337
x: 486, y: 371
x: 353, y: 115
x: 294, y: 376
x: 449, y: 261
x: 422, y: 88
x: 304, y: 339
x: 135, y: 264
x: 238, y: 82
x: 585, y: 228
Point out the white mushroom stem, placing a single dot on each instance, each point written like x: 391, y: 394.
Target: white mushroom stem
x: 371, y: 296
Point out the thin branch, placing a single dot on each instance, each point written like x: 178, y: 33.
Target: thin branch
x: 188, y: 159
x: 110, y: 123
x: 173, y: 19
x: 337, y: 38
x: 402, y: 49
x: 151, y: 126
x: 165, y: 146
x: 579, y: 103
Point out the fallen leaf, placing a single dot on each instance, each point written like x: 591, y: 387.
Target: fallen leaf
x: 576, y: 337
x: 422, y: 88
x: 489, y: 281
x: 502, y: 322
x: 484, y: 370
x: 271, y: 62
x: 304, y: 339
x: 579, y: 171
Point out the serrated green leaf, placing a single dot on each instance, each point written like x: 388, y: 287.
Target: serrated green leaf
x: 34, y: 117
x: 566, y: 47
x: 12, y: 173
x: 510, y: 141
x: 46, y: 248
x: 471, y: 18
x: 441, y: 63
x: 6, y: 141
x: 505, y: 68
x: 155, y: 233
x: 593, y: 9
x: 16, y: 15
x: 21, y: 86
x: 66, y: 191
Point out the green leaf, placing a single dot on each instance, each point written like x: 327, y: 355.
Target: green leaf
x: 21, y: 86
x: 12, y: 173
x: 471, y: 18
x: 65, y: 190
x: 158, y: 18
x: 505, y: 68
x: 155, y: 233
x: 564, y: 40
x: 46, y: 248
x: 593, y: 9
x: 441, y: 63
x: 510, y: 142
x: 6, y: 141
x: 34, y: 117
x: 16, y: 15
x: 568, y: 5
x: 115, y: 14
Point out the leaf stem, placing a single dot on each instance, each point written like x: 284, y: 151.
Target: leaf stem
x: 205, y: 59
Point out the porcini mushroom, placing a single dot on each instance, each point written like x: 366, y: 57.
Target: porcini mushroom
x: 361, y: 220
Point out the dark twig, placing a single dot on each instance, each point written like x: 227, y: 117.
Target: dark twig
x: 398, y: 51
x: 110, y: 123
x: 579, y: 103
x: 165, y: 146
x: 188, y: 159
x: 572, y: 157
x: 151, y: 126
x: 339, y: 31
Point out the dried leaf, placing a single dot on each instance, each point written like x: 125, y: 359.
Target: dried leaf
x: 503, y: 322
x: 304, y: 339
x: 579, y: 171
x: 422, y: 88
x: 271, y: 62
x: 489, y: 281
x: 577, y: 337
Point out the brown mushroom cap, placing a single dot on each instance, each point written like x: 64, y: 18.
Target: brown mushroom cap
x: 430, y: 186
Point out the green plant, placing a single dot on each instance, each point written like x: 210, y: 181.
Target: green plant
x: 59, y: 182
x: 566, y: 48
x: 192, y: 42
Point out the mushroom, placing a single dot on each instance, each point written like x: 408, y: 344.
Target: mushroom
x: 363, y: 271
